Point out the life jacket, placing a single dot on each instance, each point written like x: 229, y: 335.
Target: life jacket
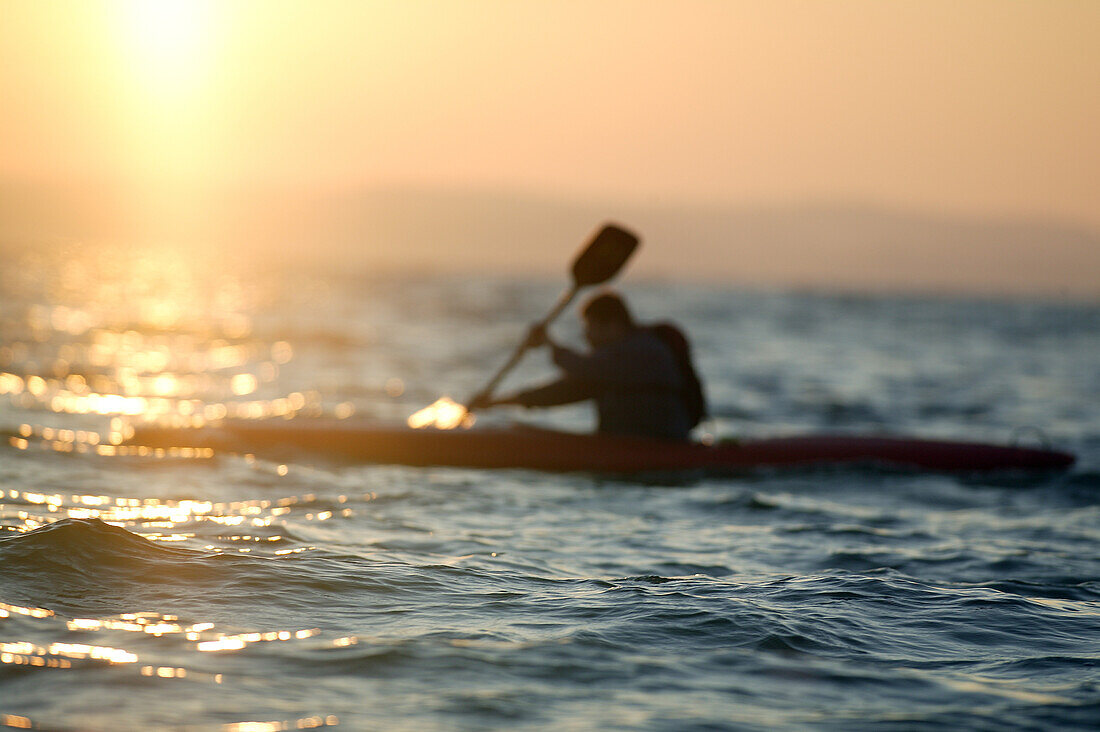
x: 691, y: 390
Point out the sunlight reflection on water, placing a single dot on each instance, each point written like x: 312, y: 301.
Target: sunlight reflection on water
x: 203, y: 637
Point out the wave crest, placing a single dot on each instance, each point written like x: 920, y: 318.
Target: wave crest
x: 78, y: 541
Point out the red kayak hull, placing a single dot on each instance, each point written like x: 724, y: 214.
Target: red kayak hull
x: 547, y: 450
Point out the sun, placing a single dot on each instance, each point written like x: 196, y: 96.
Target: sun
x: 167, y: 50
x: 168, y: 39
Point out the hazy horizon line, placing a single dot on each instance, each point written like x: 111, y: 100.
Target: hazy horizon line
x: 836, y: 245
x: 550, y: 196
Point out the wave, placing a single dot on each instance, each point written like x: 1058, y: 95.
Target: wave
x: 82, y: 566
x: 82, y: 542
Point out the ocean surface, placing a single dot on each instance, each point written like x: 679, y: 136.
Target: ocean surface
x: 180, y: 590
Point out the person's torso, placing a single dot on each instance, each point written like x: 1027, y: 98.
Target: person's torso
x: 645, y: 398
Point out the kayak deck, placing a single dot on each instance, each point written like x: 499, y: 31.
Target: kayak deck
x: 549, y: 450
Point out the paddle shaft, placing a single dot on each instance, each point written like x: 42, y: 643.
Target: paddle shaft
x: 562, y: 303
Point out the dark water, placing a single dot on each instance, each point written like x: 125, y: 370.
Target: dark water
x: 180, y: 591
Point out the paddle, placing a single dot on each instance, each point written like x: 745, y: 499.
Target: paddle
x: 597, y: 262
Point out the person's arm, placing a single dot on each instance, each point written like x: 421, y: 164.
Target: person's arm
x: 562, y: 391
x: 604, y: 366
x: 576, y: 365
x: 573, y: 387
x: 568, y: 360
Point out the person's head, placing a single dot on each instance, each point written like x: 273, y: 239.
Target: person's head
x: 606, y: 319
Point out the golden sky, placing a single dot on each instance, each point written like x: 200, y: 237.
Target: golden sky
x: 976, y: 107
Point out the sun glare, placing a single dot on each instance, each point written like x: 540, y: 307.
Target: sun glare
x: 168, y: 49
x: 444, y: 414
x: 168, y: 39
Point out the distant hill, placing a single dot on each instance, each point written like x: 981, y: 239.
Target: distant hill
x: 805, y: 246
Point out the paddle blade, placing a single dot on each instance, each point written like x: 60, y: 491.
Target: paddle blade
x: 603, y: 256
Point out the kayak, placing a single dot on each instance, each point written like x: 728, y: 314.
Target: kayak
x: 554, y: 451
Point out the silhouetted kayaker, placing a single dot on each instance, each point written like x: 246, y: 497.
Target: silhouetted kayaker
x: 641, y: 377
